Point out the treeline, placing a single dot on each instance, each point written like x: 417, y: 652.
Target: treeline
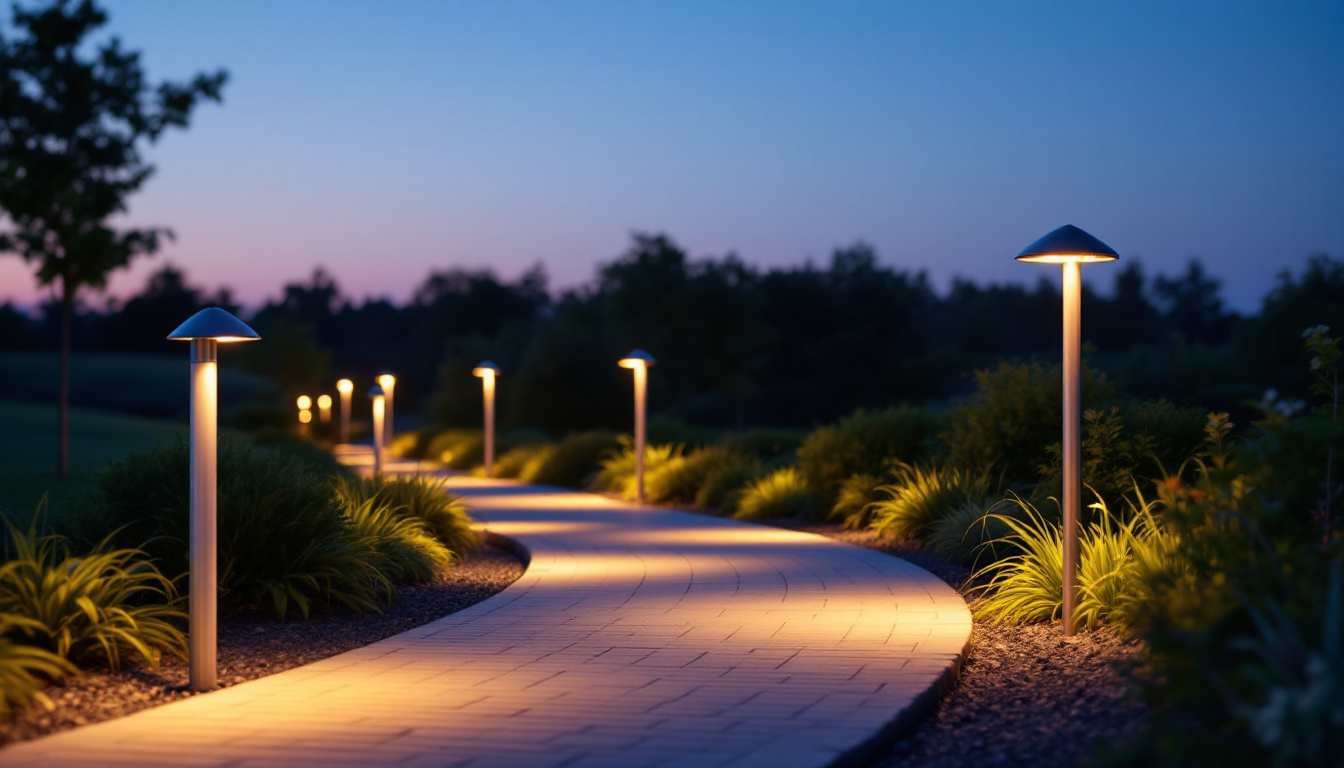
x: 737, y: 345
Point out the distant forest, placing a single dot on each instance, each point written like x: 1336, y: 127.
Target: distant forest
x: 736, y: 345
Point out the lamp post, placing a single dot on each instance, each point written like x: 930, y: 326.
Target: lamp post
x: 379, y: 403
x: 206, y: 330
x: 324, y: 408
x: 639, y: 362
x: 389, y: 383
x: 1071, y: 247
x: 345, y: 387
x: 305, y: 403
x: 487, y: 371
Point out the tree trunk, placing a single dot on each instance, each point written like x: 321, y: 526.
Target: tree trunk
x: 63, y: 406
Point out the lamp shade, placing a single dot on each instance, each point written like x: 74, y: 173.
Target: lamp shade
x: 636, y: 358
x: 376, y: 391
x: 484, y: 367
x: 214, y: 323
x: 1068, y: 243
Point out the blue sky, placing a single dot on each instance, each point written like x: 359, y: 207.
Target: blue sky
x: 383, y: 140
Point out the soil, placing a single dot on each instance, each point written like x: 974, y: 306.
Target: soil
x: 1026, y: 696
x: 254, y: 645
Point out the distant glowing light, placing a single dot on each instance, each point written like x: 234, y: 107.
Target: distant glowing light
x: 305, y: 402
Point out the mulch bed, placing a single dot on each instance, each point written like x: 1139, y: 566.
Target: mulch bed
x: 1025, y: 697
x: 253, y: 645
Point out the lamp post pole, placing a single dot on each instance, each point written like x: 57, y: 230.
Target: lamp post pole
x: 389, y: 384
x: 487, y: 371
x: 345, y: 387
x: 639, y: 362
x: 1071, y: 247
x: 379, y: 402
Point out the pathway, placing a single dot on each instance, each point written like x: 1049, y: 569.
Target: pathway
x: 636, y: 637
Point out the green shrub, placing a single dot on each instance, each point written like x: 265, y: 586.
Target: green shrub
x: 408, y: 445
x: 679, y: 479
x: 400, y: 546
x: 865, y: 442
x: 723, y: 488
x: 1013, y: 418
x: 782, y: 493
x: 920, y: 496
x: 617, y: 473
x: 421, y: 498
x: 571, y: 462
x: 457, y: 448
x: 23, y: 667
x: 90, y: 609
x: 855, y: 499
x: 510, y: 464
x: 973, y: 534
x: 283, y: 538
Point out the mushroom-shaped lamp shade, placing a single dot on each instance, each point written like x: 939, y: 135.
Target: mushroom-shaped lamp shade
x: 376, y: 392
x: 386, y: 379
x: 345, y: 386
x: 214, y: 323
x: 1068, y: 243
x: 486, y: 368
x: 637, y: 359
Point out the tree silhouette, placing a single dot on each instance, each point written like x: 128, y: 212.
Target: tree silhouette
x: 72, y: 120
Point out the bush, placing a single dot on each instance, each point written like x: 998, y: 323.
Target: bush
x: 865, y: 442
x: 400, y: 546
x: 617, y: 473
x: 723, y: 488
x: 423, y: 499
x: 90, y: 609
x: 973, y: 534
x: 679, y: 479
x: 920, y: 496
x: 408, y: 445
x: 512, y: 463
x: 782, y: 493
x: 457, y: 448
x: 854, y: 502
x: 1013, y: 418
x: 23, y: 668
x: 572, y: 462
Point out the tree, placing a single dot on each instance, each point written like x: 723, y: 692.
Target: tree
x: 72, y: 121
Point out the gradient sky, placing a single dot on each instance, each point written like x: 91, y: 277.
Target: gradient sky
x: 385, y: 139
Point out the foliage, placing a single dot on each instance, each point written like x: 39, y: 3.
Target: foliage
x: 94, y: 608
x: 855, y: 499
x: 457, y: 448
x: 400, y: 546
x: 617, y: 473
x: 23, y: 667
x: 680, y: 478
x: 512, y: 462
x: 782, y: 493
x: 570, y: 462
x: 1013, y: 417
x: 920, y: 496
x: 722, y: 489
x: 1117, y: 557
x: 973, y: 534
x: 419, y: 498
x: 865, y: 442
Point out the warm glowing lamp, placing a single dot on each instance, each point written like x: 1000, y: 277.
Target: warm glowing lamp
x: 1071, y: 247
x: 305, y: 417
x: 345, y: 387
x: 639, y: 362
x: 379, y: 404
x: 205, y: 330
x: 305, y: 402
x: 487, y: 371
x: 389, y: 384
x: 324, y: 408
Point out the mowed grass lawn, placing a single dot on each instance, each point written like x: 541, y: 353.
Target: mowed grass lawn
x: 28, y: 450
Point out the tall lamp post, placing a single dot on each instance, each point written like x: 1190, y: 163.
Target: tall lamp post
x: 1071, y: 247
x: 305, y: 404
x: 324, y: 408
x: 487, y: 371
x: 379, y: 403
x: 206, y: 330
x: 345, y: 387
x: 639, y: 362
x: 389, y: 384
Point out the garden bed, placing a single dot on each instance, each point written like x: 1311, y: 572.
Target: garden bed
x: 1026, y: 696
x: 255, y: 645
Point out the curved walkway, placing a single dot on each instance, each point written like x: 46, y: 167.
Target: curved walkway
x: 636, y: 637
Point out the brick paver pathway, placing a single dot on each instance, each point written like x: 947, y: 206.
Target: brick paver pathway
x: 637, y: 637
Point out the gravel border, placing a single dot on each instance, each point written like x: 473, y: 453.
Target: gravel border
x: 1026, y: 696
x: 254, y: 645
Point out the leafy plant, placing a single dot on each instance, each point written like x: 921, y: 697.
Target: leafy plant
x: 782, y: 493
x: 570, y: 462
x: 617, y: 473
x: 512, y: 462
x: 723, y: 488
x: 855, y: 499
x: 401, y: 547
x: 23, y: 667
x: 679, y: 479
x: 421, y: 498
x: 457, y: 448
x: 920, y: 496
x: 865, y: 442
x: 972, y: 534
x: 90, y: 609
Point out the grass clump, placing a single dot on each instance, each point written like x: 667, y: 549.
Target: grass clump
x: 854, y: 501
x: 419, y: 498
x: 457, y: 448
x: 782, y: 493
x: 617, y: 470
x: 400, y: 546
x: 24, y: 668
x: 920, y: 496
x: 865, y: 442
x: 972, y: 534
x: 723, y: 488
x: 510, y: 464
x: 87, y: 609
x: 679, y: 479
x: 572, y: 461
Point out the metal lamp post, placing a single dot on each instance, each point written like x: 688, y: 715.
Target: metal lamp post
x: 324, y: 408
x: 639, y: 362
x: 305, y: 404
x: 345, y: 387
x: 389, y: 384
x: 206, y: 330
x: 487, y: 371
x: 1071, y: 247
x: 379, y: 404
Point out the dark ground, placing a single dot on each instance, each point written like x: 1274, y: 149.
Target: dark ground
x: 252, y: 646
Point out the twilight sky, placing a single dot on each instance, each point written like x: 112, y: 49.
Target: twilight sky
x: 385, y: 139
